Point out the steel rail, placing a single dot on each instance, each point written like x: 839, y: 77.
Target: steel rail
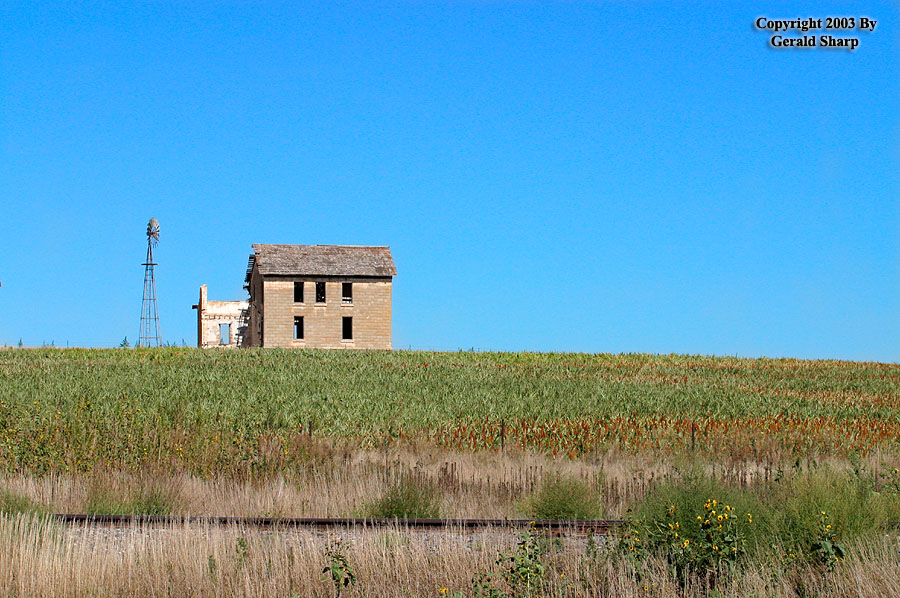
x: 600, y: 526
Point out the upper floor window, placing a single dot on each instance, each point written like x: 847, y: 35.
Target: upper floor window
x: 298, y: 291
x: 347, y: 292
x: 320, y: 292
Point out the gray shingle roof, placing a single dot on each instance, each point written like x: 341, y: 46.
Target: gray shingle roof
x: 322, y: 260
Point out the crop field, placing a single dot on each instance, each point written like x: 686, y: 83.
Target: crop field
x: 201, y: 411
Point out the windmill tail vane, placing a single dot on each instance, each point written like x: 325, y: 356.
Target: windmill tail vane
x: 149, y: 335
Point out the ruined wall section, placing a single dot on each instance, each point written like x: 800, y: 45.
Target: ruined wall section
x: 221, y: 323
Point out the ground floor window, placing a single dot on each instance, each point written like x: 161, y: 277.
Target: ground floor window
x: 298, y: 328
x: 224, y: 334
x: 347, y: 333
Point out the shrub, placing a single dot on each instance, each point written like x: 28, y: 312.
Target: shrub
x: 408, y: 498
x: 142, y: 501
x: 852, y: 507
x: 805, y: 516
x: 11, y: 502
x: 562, y: 498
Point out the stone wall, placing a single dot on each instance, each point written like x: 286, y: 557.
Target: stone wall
x: 323, y: 323
x: 211, y: 315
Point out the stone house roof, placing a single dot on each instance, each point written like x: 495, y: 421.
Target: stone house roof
x: 321, y: 260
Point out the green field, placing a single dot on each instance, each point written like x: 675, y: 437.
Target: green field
x: 71, y: 409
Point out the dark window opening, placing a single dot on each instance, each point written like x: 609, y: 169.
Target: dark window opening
x: 298, y: 328
x: 320, y: 292
x: 224, y: 334
x: 348, y: 328
x: 298, y: 291
x: 347, y: 292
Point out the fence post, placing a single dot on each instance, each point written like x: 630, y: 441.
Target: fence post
x: 693, y: 436
x: 502, y: 435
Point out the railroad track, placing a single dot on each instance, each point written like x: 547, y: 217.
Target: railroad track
x: 555, y: 526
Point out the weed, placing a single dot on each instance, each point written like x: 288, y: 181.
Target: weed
x: 408, y: 498
x: 563, y: 498
x: 241, y: 551
x: 524, y: 569
x: 338, y: 567
x: 826, y: 549
x: 484, y: 585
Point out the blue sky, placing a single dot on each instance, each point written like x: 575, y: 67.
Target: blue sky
x: 602, y: 177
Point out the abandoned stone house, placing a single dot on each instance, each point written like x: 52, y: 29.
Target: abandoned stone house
x: 316, y: 296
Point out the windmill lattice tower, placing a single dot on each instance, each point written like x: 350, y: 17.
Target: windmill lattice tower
x: 149, y: 335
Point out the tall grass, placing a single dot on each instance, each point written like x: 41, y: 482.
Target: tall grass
x: 489, y: 485
x: 198, y: 561
x: 456, y: 485
x: 861, y: 497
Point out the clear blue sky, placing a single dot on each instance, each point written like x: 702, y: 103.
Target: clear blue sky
x: 603, y: 177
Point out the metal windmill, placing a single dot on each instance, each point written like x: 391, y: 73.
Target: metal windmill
x: 149, y: 335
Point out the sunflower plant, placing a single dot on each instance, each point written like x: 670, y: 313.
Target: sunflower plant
x: 708, y: 541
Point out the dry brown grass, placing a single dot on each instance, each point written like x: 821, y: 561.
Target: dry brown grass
x: 470, y: 485
x: 486, y: 484
x: 40, y: 559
